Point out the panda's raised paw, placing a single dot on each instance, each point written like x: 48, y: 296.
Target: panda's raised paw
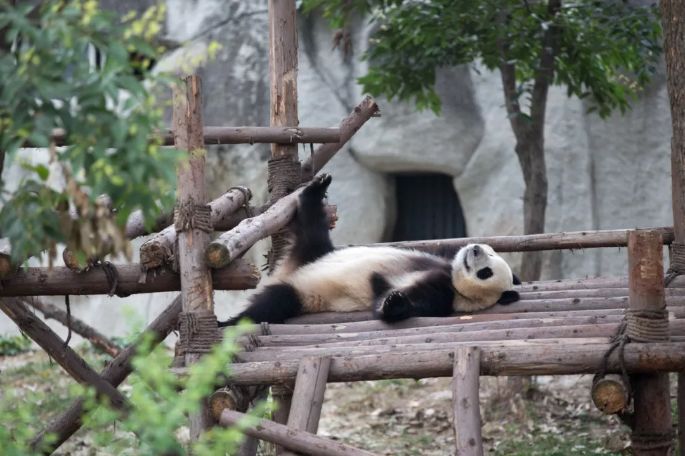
x: 318, y: 186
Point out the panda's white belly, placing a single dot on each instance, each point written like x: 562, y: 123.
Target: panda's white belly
x: 340, y: 281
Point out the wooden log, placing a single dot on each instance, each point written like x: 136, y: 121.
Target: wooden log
x: 586, y: 283
x: 681, y: 412
x: 232, y: 244
x: 532, y: 242
x: 525, y: 358
x: 115, y: 373
x: 348, y: 127
x: 430, y: 336
x: 196, y: 280
x: 466, y: 403
x: 49, y: 311
x: 535, y: 307
x: 610, y: 394
x: 593, y: 293
x: 59, y: 281
x: 353, y: 351
x: 65, y: 356
x: 310, y: 386
x: 282, y: 396
x: 161, y: 248
x: 135, y: 224
x: 651, y: 395
x: 292, y: 439
x: 308, y: 337
x: 242, y: 135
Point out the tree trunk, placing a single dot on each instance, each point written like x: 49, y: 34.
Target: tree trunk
x: 531, y: 153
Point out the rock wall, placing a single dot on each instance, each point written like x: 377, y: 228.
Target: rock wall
x: 602, y: 174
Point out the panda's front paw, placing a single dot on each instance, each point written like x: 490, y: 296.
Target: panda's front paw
x: 396, y: 306
x: 318, y: 186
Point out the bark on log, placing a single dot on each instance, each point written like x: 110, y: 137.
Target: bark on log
x: 349, y: 126
x: 310, y: 386
x: 243, y: 135
x: 532, y: 242
x: 232, y: 244
x: 59, y: 281
x: 320, y: 334
x: 86, y: 331
x: 292, y: 439
x: 161, y: 248
x: 681, y: 412
x: 466, y: 403
x: 585, y: 284
x: 351, y: 351
x: 115, y: 373
x: 533, y: 308
x: 282, y: 396
x: 652, y: 426
x: 610, y: 394
x: 196, y: 280
x: 65, y: 356
x: 550, y: 359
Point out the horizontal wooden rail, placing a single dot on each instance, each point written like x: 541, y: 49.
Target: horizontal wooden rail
x: 547, y: 241
x: 41, y: 281
x: 240, y: 135
x: 549, y: 359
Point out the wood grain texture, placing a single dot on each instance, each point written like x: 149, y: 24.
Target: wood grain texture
x: 466, y: 403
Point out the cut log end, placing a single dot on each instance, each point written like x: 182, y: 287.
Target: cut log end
x: 5, y: 265
x: 153, y: 255
x: 610, y: 395
x: 220, y: 400
x: 217, y: 255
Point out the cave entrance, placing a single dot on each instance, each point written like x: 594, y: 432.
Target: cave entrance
x: 427, y: 207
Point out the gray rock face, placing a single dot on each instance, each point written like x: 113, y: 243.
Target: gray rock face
x: 602, y: 174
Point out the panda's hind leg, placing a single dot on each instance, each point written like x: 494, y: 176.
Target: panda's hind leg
x: 274, y: 304
x: 310, y: 226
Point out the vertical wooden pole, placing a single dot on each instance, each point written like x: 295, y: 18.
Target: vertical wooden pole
x: 196, y: 280
x: 310, y: 386
x: 466, y: 403
x: 673, y: 24
x: 284, y: 167
x: 651, y: 395
x: 282, y: 396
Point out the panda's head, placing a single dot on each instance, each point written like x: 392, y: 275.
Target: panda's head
x: 482, y: 276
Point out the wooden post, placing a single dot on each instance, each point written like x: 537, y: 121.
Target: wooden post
x: 310, y: 386
x: 282, y: 396
x: 192, y: 221
x: 673, y: 24
x: 465, y: 401
x: 652, y: 417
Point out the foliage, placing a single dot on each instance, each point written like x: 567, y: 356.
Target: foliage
x: 607, y: 51
x: 107, y: 109
x: 160, y: 404
x: 13, y: 345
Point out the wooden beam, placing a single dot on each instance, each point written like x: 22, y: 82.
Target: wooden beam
x: 59, y: 281
x: 292, y: 439
x: 99, y: 340
x: 466, y: 403
x: 535, y: 358
x: 241, y: 135
x: 349, y: 126
x: 115, y: 373
x: 232, y: 244
x: 65, y: 356
x: 651, y: 394
x: 531, y: 242
x: 310, y: 386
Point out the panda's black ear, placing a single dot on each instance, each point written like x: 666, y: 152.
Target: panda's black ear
x: 517, y: 281
x: 508, y: 297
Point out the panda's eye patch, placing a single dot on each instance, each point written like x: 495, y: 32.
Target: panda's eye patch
x: 484, y: 273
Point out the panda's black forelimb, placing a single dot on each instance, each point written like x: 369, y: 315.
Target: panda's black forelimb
x: 508, y: 297
x: 310, y: 225
x: 274, y: 304
x: 431, y: 296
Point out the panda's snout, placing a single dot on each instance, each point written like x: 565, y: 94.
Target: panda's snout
x: 476, y: 250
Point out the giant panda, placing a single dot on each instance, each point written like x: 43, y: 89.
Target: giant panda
x: 394, y: 283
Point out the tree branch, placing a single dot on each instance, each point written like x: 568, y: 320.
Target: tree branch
x: 508, y: 74
x: 544, y: 74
